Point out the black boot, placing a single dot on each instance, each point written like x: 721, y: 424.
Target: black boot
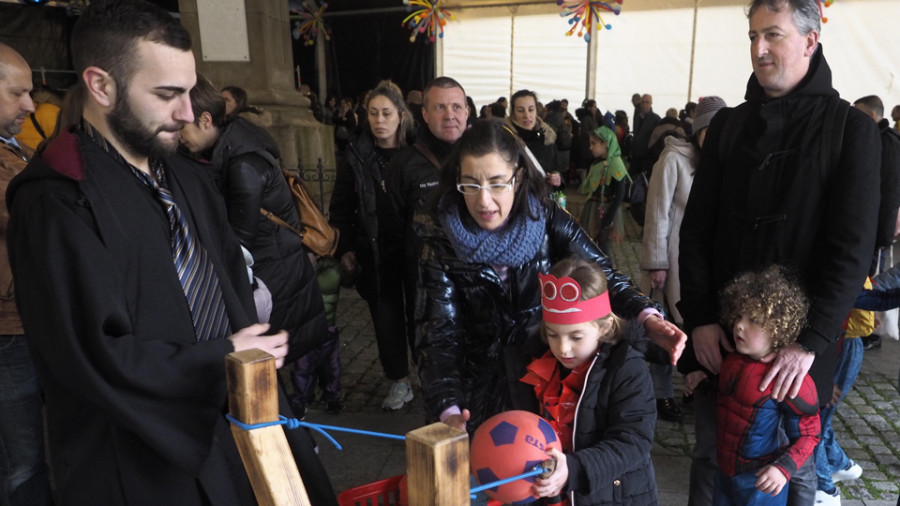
x: 667, y: 409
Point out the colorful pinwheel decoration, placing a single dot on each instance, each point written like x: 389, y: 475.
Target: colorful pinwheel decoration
x: 584, y: 13
x: 309, y: 22
x: 822, y: 5
x: 428, y: 20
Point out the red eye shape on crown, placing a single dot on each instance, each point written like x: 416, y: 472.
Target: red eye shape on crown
x: 566, y: 288
x: 560, y: 301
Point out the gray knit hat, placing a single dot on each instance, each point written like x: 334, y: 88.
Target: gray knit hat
x: 706, y: 109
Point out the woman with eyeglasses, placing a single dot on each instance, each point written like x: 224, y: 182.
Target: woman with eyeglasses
x: 487, y: 235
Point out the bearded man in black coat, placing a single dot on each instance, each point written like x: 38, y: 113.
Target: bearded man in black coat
x: 131, y: 285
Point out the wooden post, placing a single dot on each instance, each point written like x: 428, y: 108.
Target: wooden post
x: 437, y: 466
x: 252, y: 399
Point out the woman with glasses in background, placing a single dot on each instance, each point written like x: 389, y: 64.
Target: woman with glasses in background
x: 487, y: 235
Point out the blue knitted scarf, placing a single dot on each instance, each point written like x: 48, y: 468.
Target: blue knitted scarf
x: 512, y: 245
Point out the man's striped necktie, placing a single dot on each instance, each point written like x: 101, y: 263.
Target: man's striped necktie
x: 195, y: 270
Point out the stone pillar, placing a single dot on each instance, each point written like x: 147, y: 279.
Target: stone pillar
x: 266, y: 73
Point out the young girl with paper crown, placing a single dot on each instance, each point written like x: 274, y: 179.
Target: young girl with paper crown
x: 592, y: 378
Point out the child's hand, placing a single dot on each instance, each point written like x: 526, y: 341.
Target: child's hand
x: 692, y: 380
x: 554, y: 484
x: 771, y: 480
x: 836, y: 396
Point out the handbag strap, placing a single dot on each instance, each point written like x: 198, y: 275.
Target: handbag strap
x: 428, y: 154
x: 37, y: 126
x: 271, y: 216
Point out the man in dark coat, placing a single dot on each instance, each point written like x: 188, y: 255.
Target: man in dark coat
x: 763, y: 198
x: 24, y: 478
x: 243, y: 158
x: 873, y: 107
x: 645, y: 120
x: 412, y: 174
x: 129, y: 351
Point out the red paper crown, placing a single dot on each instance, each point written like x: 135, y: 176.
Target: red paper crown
x: 560, y: 300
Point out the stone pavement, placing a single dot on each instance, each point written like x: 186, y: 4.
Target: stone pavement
x: 867, y: 423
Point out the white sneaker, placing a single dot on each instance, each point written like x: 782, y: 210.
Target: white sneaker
x: 825, y: 499
x: 401, y: 393
x: 851, y: 473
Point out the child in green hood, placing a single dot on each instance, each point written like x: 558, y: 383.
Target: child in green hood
x: 605, y: 183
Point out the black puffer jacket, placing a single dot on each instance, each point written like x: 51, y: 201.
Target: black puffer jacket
x: 615, y: 422
x: 245, y: 159
x: 541, y: 141
x: 475, y: 334
x: 361, y: 208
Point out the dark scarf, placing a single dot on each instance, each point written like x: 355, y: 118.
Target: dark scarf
x: 517, y: 242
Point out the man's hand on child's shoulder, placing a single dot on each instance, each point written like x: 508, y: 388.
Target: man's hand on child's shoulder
x: 789, y: 366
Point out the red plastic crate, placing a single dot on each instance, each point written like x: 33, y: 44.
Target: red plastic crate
x: 387, y: 492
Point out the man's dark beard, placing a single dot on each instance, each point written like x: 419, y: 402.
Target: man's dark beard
x: 128, y: 129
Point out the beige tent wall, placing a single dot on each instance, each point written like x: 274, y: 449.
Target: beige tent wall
x: 494, y: 51
x: 476, y: 51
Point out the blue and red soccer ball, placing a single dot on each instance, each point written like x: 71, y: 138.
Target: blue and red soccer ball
x: 509, y: 444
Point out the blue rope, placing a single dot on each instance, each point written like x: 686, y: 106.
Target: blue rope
x: 536, y: 470
x: 293, y: 423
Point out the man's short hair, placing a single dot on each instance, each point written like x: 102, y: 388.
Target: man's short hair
x: 108, y: 31
x: 873, y: 104
x: 442, y: 82
x: 807, y: 16
x: 205, y: 97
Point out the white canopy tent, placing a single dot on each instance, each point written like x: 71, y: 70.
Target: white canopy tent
x: 494, y: 50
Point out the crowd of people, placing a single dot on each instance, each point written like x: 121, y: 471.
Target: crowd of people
x: 153, y: 231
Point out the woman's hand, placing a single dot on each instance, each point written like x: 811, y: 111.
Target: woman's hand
x: 554, y: 179
x: 666, y: 335
x: 458, y: 421
x: 554, y: 484
x: 348, y: 260
x: 658, y: 278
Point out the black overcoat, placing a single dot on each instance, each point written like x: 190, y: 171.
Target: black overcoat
x: 134, y: 405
